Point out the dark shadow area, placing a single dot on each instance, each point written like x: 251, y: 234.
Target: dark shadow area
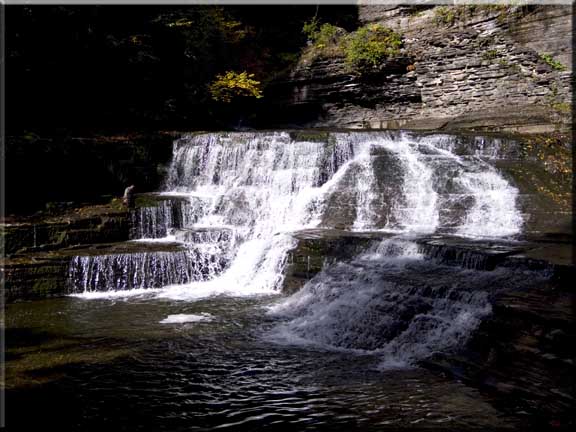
x: 63, y: 169
x: 110, y: 68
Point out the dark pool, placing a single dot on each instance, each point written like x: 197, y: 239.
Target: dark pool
x: 110, y: 364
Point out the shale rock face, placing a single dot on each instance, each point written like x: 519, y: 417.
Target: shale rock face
x: 85, y: 225
x: 484, y: 70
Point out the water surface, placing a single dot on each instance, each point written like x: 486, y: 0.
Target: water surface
x: 112, y: 364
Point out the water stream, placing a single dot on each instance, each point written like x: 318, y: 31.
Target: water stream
x: 202, y: 338
x: 261, y: 187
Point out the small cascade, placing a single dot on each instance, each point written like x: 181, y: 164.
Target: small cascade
x: 365, y: 187
x: 159, y: 220
x: 470, y: 259
x: 142, y: 270
x: 418, y: 212
x: 473, y: 199
x: 152, y: 222
x: 490, y: 191
x: 386, y: 302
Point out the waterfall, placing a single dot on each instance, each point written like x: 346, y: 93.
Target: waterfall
x: 264, y: 186
x: 391, y: 302
x: 152, y: 222
x: 130, y: 271
x: 491, y: 192
x: 160, y: 219
x: 233, y: 200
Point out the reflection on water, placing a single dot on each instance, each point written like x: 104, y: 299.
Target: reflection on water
x: 111, y: 363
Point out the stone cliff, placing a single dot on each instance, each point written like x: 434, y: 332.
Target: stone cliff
x: 483, y: 68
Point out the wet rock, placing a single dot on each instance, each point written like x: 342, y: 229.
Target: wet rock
x: 38, y: 275
x: 518, y: 355
x: 84, y: 225
x: 318, y: 247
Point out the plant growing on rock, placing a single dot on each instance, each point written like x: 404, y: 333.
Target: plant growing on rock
x: 370, y: 45
x: 550, y: 61
x: 450, y: 15
x: 310, y: 28
x: 445, y: 15
x: 230, y: 85
x: 562, y: 107
x: 490, y: 54
x: 326, y: 35
x: 324, y: 39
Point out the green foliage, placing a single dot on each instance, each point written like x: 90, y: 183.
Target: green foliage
x: 445, y: 15
x: 490, y: 54
x: 232, y: 84
x: 562, y: 107
x: 182, y: 22
x: 310, y: 28
x: 513, y: 67
x: 327, y: 35
x: 321, y: 36
x: 554, y: 64
x: 449, y: 15
x: 232, y: 31
x: 370, y: 45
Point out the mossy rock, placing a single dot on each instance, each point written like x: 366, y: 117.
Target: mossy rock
x: 319, y: 247
x: 146, y: 200
x: 310, y: 136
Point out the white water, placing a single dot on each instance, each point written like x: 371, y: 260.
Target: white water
x: 384, y: 302
x: 187, y: 318
x: 491, y: 192
x: 263, y: 186
x: 130, y: 271
x: 161, y: 219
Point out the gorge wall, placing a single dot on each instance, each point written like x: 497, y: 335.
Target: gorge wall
x: 481, y: 68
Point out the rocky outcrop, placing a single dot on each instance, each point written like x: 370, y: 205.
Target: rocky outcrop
x: 38, y: 249
x: 40, y: 275
x: 34, y: 277
x: 33, y: 267
x: 318, y: 248
x: 482, y: 70
x: 84, y: 225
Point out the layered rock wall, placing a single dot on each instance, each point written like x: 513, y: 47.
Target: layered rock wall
x: 485, y: 69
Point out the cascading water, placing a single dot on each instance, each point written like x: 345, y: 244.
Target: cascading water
x: 159, y: 220
x: 385, y: 301
x: 143, y: 270
x: 263, y: 186
x: 233, y: 200
x: 408, y: 243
